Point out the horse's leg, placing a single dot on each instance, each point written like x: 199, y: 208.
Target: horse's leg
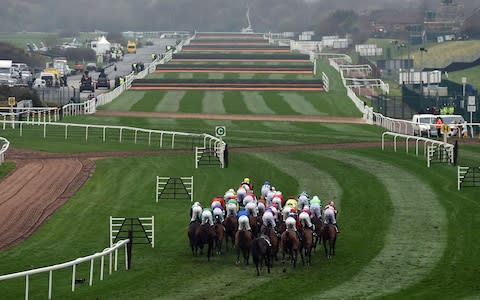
x: 325, y: 247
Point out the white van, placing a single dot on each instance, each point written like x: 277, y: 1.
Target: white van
x: 424, y: 124
x: 456, y: 123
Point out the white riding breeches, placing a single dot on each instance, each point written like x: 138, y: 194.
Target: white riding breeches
x: 218, y: 212
x: 329, y: 215
x: 316, y: 210
x: 243, y: 223
x: 231, y: 209
x: 207, y: 217
x: 196, y: 213
x: 268, y: 218
x: 305, y: 219
x: 291, y: 224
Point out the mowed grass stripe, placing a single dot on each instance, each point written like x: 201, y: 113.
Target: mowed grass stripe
x: 307, y: 177
x: 233, y: 103
x: 277, y: 103
x: 191, y: 102
x: 149, y: 101
x: 125, y: 101
x: 299, y: 104
x: 415, y: 241
x: 170, y: 101
x: 279, y: 126
x: 212, y: 102
x: 216, y: 75
x: 255, y: 103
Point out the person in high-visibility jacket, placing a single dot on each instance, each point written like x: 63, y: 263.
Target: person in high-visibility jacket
x: 438, y: 125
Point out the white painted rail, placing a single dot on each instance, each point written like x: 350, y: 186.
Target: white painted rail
x: 4, y: 144
x: 73, y: 264
x: 426, y: 144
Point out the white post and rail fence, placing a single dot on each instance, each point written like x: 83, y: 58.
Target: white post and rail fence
x: 4, y: 144
x: 112, y: 264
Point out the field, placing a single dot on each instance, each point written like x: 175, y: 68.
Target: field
x: 406, y: 232
x: 470, y: 73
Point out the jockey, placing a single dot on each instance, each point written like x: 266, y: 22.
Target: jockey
x: 265, y: 188
x: 246, y: 184
x: 249, y: 197
x: 274, y: 211
x: 218, y: 201
x: 330, y: 213
x: 207, y: 216
x: 218, y: 212
x: 230, y: 194
x: 196, y: 212
x: 278, y: 201
x: 279, y: 194
x: 241, y: 193
x: 285, y: 212
x: 305, y: 219
x: 260, y: 208
x: 316, y: 207
x: 269, y: 196
x: 251, y: 208
x: 303, y: 200
x: 291, y: 202
x: 268, y: 218
x: 243, y: 221
x: 232, y: 207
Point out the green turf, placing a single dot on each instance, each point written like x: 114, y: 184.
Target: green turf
x: 472, y: 75
x: 368, y: 216
x: 5, y: 168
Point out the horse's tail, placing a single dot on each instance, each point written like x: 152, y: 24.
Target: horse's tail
x: 326, y: 232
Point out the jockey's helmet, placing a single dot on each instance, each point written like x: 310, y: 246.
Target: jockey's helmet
x: 196, y: 204
x: 332, y: 203
x: 246, y: 180
x: 266, y: 182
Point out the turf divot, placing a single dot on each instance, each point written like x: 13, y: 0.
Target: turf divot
x: 416, y: 239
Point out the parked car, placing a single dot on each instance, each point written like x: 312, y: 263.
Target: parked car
x: 39, y: 83
x: 103, y: 82
x: 424, y: 125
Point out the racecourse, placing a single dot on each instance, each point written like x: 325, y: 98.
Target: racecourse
x: 406, y: 232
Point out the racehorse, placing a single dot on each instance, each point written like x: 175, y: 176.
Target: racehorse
x: 231, y: 225
x: 307, y: 244
x: 291, y: 246
x: 243, y: 243
x: 318, y: 231
x: 254, y: 225
x: 261, y: 252
x: 192, y: 229
x: 205, y: 234
x: 272, y: 235
x: 220, y: 234
x: 330, y: 235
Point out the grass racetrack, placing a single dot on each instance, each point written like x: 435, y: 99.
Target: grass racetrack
x: 406, y: 232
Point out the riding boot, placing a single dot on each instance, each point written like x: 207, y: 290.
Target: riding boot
x: 336, y: 227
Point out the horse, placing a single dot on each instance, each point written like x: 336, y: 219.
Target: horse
x: 307, y: 244
x: 192, y: 229
x: 205, y: 234
x: 243, y: 243
x: 253, y: 225
x: 272, y: 235
x: 330, y: 235
x: 220, y: 234
x: 318, y: 230
x: 261, y: 252
x: 231, y: 225
x: 291, y: 246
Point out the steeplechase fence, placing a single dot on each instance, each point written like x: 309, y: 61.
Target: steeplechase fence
x: 112, y: 263
x: 142, y: 230
x: 468, y: 177
x: 174, y: 188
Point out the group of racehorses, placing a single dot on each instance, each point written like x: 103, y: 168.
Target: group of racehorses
x: 262, y: 242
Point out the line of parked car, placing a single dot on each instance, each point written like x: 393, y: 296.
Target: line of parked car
x: 426, y: 124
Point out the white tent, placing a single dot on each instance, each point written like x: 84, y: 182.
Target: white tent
x: 101, y: 46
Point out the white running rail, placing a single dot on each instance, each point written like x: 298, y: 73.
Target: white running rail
x: 426, y: 144
x: 4, y: 144
x: 73, y: 264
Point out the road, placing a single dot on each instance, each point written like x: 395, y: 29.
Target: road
x: 62, y: 96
